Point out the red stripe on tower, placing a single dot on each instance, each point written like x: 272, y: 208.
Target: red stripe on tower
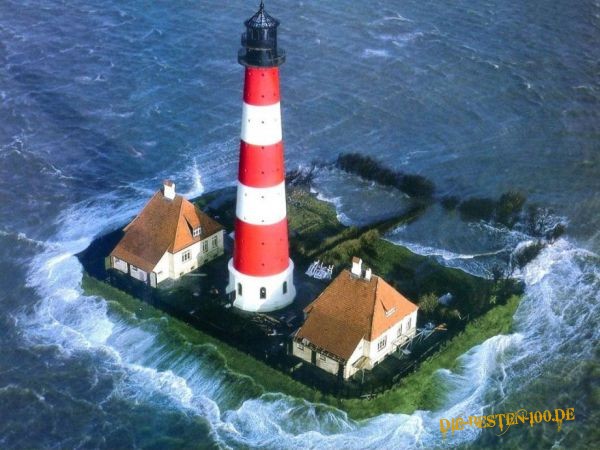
x: 261, y: 271
x: 261, y: 165
x: 260, y: 250
x: 261, y: 85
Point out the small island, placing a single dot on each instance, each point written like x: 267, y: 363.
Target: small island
x: 288, y: 296
x: 259, y: 344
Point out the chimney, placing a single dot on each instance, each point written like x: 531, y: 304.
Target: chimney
x: 368, y: 274
x: 169, y: 189
x: 356, y: 266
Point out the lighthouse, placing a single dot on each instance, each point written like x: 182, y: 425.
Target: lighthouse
x: 261, y: 272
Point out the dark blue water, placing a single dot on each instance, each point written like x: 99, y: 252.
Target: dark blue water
x: 102, y: 100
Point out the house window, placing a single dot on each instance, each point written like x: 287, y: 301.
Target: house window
x: 205, y: 246
x: 300, y: 346
x: 186, y: 256
x: 239, y: 288
x: 263, y: 292
x: 196, y: 232
x: 215, y: 241
x: 408, y: 325
x: 322, y: 357
x: 285, y: 287
x: 381, y: 344
x: 400, y: 330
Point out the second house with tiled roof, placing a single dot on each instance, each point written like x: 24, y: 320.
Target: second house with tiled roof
x: 169, y: 238
x: 356, y: 322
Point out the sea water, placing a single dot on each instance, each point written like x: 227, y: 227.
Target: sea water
x: 100, y: 101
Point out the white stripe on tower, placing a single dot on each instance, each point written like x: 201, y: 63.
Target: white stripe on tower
x: 260, y: 206
x: 261, y: 125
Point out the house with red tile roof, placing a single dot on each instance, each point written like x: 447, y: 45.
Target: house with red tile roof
x: 169, y: 238
x: 356, y: 322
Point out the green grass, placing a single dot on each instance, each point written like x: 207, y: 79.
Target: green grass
x: 419, y: 390
x: 306, y: 212
x: 311, y: 222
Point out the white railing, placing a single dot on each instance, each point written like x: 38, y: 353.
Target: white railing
x: 319, y: 271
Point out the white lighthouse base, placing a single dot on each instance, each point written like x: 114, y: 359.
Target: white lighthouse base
x: 262, y: 294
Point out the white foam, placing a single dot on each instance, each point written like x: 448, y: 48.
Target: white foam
x: 23, y: 238
x: 376, y: 53
x: 463, y: 261
x: 337, y: 203
x: 197, y: 187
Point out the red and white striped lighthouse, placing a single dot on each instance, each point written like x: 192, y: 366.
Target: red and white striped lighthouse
x: 261, y: 273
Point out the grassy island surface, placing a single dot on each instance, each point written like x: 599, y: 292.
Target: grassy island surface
x: 481, y: 309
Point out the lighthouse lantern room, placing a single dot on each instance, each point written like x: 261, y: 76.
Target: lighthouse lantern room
x: 261, y: 271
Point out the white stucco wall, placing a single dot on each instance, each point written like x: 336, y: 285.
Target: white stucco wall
x: 359, y: 351
x: 391, y: 336
x: 213, y: 251
x: 322, y: 361
x: 301, y: 351
x: 119, y: 264
x: 138, y: 273
x: 327, y: 364
x: 163, y: 268
x: 198, y: 255
x: 180, y: 267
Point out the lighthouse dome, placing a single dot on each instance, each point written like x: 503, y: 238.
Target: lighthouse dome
x: 262, y: 19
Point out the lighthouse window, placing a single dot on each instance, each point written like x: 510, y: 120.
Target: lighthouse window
x: 263, y: 293
x: 239, y: 288
x: 285, y: 287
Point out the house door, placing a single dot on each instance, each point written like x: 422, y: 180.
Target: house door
x: 340, y: 371
x: 152, y: 279
x: 313, y: 358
